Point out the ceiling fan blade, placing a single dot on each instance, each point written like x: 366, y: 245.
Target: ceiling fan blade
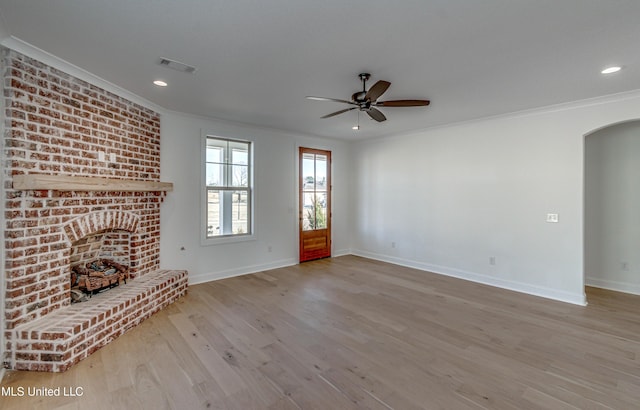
x: 338, y: 112
x: 310, y: 97
x: 403, y: 103
x: 377, y: 90
x: 376, y: 114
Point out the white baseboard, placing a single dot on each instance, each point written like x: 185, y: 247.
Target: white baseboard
x: 341, y: 252
x: 576, y: 299
x: 568, y: 297
x: 244, y: 270
x: 625, y: 287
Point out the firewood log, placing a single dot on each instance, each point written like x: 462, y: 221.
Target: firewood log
x: 79, y: 269
x: 114, y: 264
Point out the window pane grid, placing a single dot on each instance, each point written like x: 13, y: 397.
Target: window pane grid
x: 227, y: 163
x: 228, y: 187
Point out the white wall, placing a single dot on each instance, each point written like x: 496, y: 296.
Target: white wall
x: 276, y: 203
x: 451, y: 198
x: 612, y: 208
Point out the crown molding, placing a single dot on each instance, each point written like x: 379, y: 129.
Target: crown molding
x: 45, y: 57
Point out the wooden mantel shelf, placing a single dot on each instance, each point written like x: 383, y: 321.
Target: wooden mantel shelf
x: 73, y: 183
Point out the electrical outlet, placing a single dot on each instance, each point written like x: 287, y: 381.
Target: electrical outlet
x: 393, y: 245
x: 492, y: 260
x: 624, y: 266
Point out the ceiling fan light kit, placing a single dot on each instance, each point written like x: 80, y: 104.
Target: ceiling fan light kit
x: 357, y: 126
x: 367, y: 101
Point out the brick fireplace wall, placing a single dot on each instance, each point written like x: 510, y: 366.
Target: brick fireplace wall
x: 57, y: 124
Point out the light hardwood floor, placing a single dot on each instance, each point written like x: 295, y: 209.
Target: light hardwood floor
x: 351, y: 333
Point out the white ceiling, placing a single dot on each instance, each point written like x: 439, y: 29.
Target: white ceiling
x: 257, y: 59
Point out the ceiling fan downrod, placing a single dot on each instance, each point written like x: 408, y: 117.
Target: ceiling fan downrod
x: 359, y: 96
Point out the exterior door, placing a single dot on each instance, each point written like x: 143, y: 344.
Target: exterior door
x: 315, y: 204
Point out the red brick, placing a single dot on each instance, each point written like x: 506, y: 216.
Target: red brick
x: 56, y: 124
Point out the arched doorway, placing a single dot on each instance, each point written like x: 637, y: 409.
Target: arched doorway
x: 612, y: 207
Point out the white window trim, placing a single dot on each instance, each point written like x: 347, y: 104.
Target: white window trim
x: 207, y: 241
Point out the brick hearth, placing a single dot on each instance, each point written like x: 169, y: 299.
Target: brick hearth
x: 59, y: 125
x: 59, y: 340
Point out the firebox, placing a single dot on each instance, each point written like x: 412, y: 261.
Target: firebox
x: 99, y: 262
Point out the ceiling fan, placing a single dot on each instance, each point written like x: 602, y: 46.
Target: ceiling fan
x: 367, y: 101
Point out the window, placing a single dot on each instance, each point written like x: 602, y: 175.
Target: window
x: 228, y: 180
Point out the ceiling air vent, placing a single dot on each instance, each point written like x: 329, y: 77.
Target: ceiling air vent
x: 176, y: 65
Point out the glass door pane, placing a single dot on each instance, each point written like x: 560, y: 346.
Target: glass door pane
x: 314, y: 190
x: 321, y: 210
x: 321, y: 172
x: 308, y: 172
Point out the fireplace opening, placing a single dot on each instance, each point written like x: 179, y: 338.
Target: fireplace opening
x: 99, y: 262
x: 94, y: 277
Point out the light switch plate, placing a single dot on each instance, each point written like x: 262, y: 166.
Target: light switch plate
x: 552, y: 218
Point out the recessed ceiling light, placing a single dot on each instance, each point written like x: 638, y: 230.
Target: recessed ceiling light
x: 611, y: 70
x: 160, y: 83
